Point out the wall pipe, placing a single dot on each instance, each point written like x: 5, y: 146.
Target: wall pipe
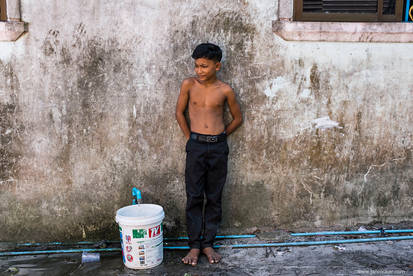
x: 97, y: 242
x: 61, y: 251
x: 353, y: 232
x: 252, y: 245
x: 62, y: 243
x: 232, y: 237
x: 281, y: 244
x: 406, y: 18
x: 217, y: 237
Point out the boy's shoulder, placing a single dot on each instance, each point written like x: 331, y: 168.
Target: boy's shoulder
x: 189, y: 81
x: 225, y: 88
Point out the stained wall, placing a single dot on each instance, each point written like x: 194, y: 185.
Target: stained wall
x: 87, y: 102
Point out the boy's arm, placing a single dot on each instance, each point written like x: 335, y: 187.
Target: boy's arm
x: 235, y: 110
x: 181, y: 106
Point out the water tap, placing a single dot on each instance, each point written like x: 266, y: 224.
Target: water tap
x: 137, y: 196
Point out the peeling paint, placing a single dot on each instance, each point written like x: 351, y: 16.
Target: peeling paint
x: 305, y: 93
x: 275, y: 86
x: 325, y: 123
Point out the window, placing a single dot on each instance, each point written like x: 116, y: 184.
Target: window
x: 322, y: 20
x: 348, y: 10
x: 3, y: 16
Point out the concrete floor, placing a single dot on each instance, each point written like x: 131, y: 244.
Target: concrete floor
x: 380, y: 258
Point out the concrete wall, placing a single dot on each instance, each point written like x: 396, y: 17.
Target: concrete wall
x: 87, y: 100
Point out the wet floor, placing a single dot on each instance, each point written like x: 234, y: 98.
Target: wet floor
x: 379, y: 258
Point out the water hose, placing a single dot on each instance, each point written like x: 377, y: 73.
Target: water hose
x: 251, y: 245
x: 137, y: 196
x: 217, y: 237
x: 62, y: 243
x: 281, y: 244
x: 408, y: 11
x: 59, y: 251
x: 234, y: 237
x: 382, y: 231
x: 99, y: 242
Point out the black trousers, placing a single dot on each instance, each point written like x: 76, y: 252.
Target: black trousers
x: 205, y: 174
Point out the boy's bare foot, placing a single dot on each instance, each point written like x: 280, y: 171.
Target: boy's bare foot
x: 213, y: 257
x: 192, y: 257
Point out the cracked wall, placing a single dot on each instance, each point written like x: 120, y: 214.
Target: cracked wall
x: 87, y: 103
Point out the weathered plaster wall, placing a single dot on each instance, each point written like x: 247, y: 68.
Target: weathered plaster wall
x: 87, y: 101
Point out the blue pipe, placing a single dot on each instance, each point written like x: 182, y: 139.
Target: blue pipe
x: 217, y: 237
x: 280, y: 244
x: 17, y: 253
x: 137, y: 196
x: 353, y: 232
x: 234, y: 237
x: 406, y: 18
x: 62, y: 243
x: 96, y: 242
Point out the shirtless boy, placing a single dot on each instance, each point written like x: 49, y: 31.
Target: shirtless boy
x: 207, y: 149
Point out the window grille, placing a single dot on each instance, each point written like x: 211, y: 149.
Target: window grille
x: 348, y: 10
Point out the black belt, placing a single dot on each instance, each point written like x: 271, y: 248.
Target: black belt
x: 208, y: 138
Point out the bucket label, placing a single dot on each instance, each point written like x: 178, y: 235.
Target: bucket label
x: 154, y: 231
x: 128, y: 239
x: 142, y: 245
x: 139, y: 233
x: 130, y: 258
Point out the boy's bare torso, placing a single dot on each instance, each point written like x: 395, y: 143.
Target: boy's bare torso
x: 206, y: 107
x: 205, y: 96
x: 205, y: 102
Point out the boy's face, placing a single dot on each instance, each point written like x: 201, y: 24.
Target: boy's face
x: 206, y: 69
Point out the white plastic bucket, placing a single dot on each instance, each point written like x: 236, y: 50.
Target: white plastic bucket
x: 141, y: 235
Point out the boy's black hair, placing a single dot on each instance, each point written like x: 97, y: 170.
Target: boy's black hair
x: 209, y: 51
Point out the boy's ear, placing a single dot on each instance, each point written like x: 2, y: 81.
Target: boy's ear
x: 218, y: 65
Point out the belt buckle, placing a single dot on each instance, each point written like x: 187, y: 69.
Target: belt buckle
x: 212, y: 139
